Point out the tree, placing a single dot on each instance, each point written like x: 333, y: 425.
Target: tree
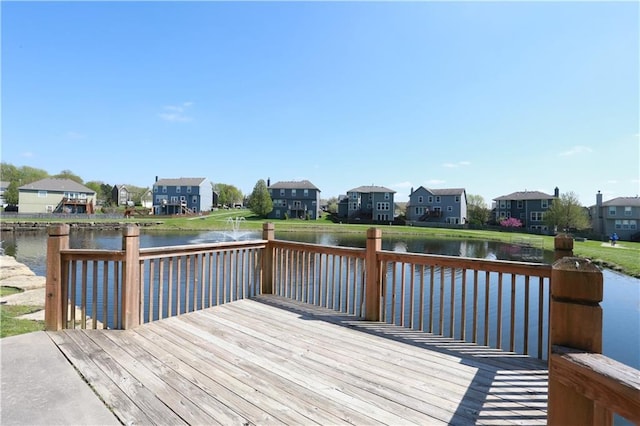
x: 332, y: 204
x: 18, y: 177
x: 477, y: 211
x: 68, y: 174
x: 566, y: 213
x: 511, y: 222
x: 227, y: 194
x: 260, y: 202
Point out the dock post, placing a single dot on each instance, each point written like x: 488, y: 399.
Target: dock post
x: 575, y: 321
x: 563, y: 246
x: 131, y: 277
x: 268, y: 233
x: 55, y: 304
x: 372, y: 290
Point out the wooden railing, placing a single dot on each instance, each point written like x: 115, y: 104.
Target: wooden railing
x: 498, y: 304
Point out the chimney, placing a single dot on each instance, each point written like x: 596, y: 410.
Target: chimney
x: 268, y: 182
x: 156, y: 178
x: 599, y: 204
x: 556, y: 192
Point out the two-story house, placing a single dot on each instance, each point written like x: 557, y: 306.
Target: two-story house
x: 527, y: 206
x: 620, y: 215
x: 53, y: 195
x: 182, y: 196
x: 370, y: 203
x: 120, y: 195
x: 294, y: 199
x: 437, y: 206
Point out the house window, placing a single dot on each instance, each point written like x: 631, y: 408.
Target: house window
x: 174, y: 199
x: 354, y: 195
x: 437, y: 198
x: 49, y: 209
x: 627, y: 211
x: 293, y: 192
x: 188, y: 190
x: 178, y: 189
x: 164, y: 189
x: 354, y: 206
x: 612, y: 210
x: 419, y: 210
x: 282, y: 192
x: 194, y: 199
x: 155, y: 189
x: 278, y: 213
x: 537, y: 216
x: 420, y: 199
x: 386, y: 195
x: 457, y: 198
x: 520, y: 204
x: 545, y: 204
x: 430, y: 199
x: 42, y: 194
x: 183, y: 199
x: 449, y: 208
x: 305, y: 192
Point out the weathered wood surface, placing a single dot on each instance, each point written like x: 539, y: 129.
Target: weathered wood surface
x: 276, y: 361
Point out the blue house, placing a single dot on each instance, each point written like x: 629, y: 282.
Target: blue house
x: 527, y: 206
x: 437, y: 206
x: 369, y: 203
x: 182, y: 196
x: 294, y: 199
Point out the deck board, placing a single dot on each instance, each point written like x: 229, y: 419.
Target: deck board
x: 275, y: 361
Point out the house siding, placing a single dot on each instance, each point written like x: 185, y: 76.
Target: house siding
x: 375, y: 203
x: 182, y: 196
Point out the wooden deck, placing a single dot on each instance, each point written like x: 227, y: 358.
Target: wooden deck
x: 274, y: 361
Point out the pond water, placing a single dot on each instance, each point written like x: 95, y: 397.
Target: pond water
x: 621, y: 305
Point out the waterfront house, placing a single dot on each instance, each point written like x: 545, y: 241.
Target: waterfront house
x: 174, y: 196
x: 527, y: 206
x: 620, y: 215
x: 294, y: 199
x: 53, y: 195
x: 120, y: 195
x: 4, y: 185
x: 447, y: 205
x: 369, y: 203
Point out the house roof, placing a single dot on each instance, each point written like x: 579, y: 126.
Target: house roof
x: 371, y: 188
x: 623, y: 202
x: 526, y: 195
x: 292, y: 184
x: 56, y: 184
x: 444, y: 191
x: 179, y: 182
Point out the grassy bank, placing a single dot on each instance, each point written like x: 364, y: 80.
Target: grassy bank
x: 625, y: 257
x: 10, y: 325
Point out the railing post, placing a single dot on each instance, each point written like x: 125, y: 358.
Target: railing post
x: 563, y: 246
x: 372, y: 284
x: 268, y: 233
x: 575, y: 321
x: 55, y: 304
x: 131, y: 280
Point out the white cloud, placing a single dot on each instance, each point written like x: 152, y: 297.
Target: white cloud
x: 455, y: 165
x: 435, y: 182
x: 27, y: 154
x: 576, y: 150
x: 176, y: 113
x: 402, y: 185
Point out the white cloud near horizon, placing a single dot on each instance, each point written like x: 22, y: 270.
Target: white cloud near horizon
x: 176, y: 113
x: 458, y: 164
x: 576, y: 150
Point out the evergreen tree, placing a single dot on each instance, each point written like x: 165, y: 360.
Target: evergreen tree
x: 260, y: 202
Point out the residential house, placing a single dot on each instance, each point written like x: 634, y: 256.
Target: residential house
x: 4, y: 185
x: 437, y: 206
x: 182, y: 196
x: 294, y: 199
x: 120, y: 195
x: 527, y: 206
x: 620, y: 215
x: 146, y: 199
x: 53, y: 195
x: 369, y: 203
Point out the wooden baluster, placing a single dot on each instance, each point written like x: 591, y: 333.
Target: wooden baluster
x: 56, y: 300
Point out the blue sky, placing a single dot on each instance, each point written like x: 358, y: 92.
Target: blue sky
x: 494, y: 97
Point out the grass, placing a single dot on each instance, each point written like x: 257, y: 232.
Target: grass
x: 12, y: 326
x: 625, y: 257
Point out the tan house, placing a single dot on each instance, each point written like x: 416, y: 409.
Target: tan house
x: 52, y: 195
